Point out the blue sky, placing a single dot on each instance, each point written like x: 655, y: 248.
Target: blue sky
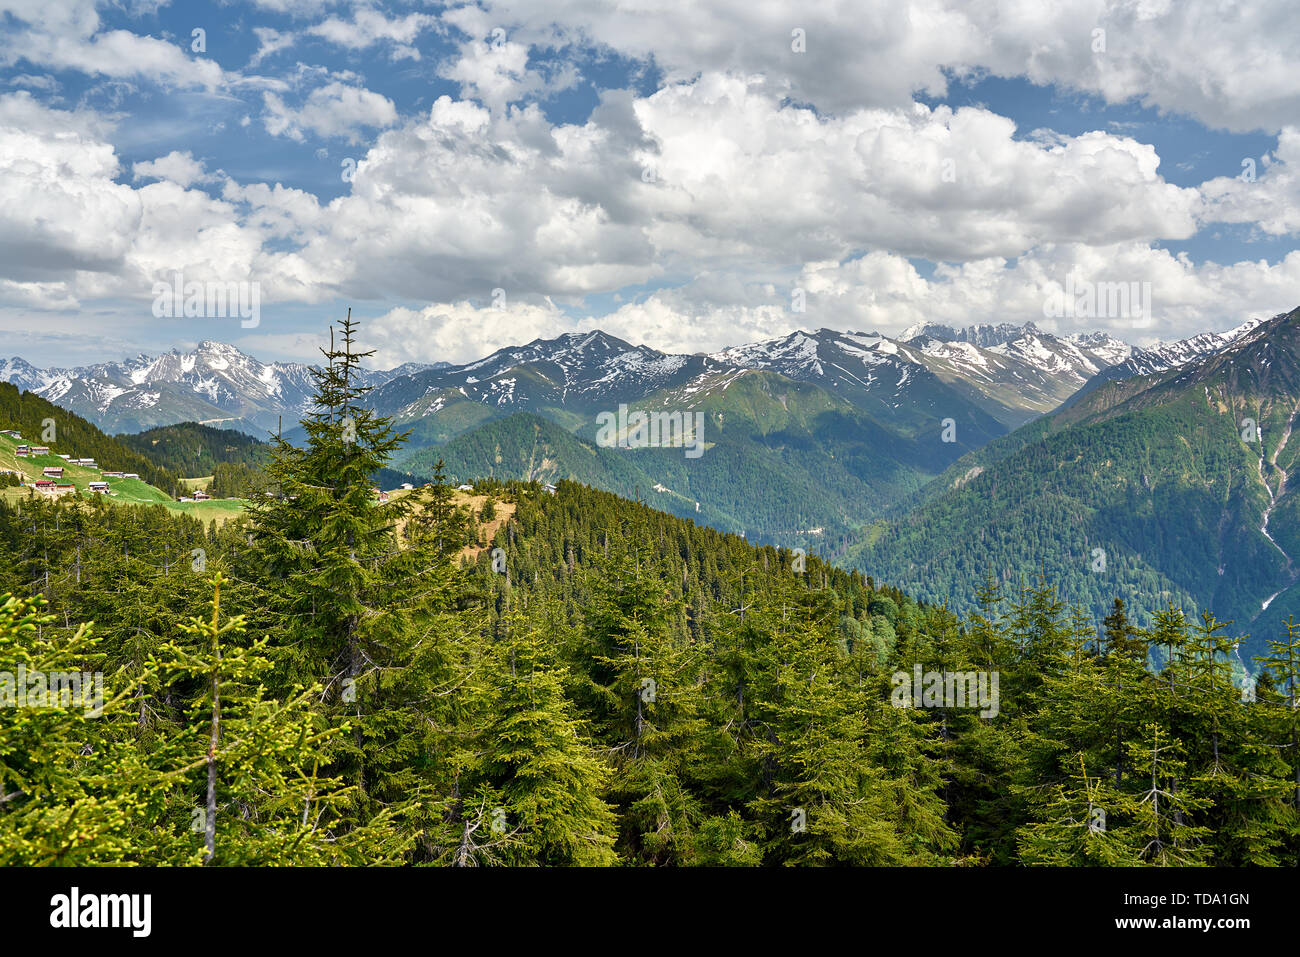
x: 465, y: 176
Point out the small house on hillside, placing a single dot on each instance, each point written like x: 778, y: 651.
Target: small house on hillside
x: 52, y: 471
x: 201, y: 496
x: 98, y: 486
x: 40, y: 450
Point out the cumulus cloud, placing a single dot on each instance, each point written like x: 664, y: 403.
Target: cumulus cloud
x: 880, y: 292
x: 334, y: 109
x: 884, y: 292
x: 69, y: 231
x: 370, y: 26
x: 180, y: 168
x: 67, y: 36
x: 460, y: 331
x: 1228, y: 65
x: 714, y: 175
x: 764, y: 160
x: 496, y: 72
x: 1265, y: 194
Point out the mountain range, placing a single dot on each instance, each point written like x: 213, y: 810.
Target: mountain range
x: 212, y: 384
x: 1164, y: 480
x: 930, y: 460
x: 810, y: 434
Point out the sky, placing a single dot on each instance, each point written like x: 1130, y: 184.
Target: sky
x: 688, y: 175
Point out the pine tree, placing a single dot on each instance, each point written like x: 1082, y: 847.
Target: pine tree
x: 377, y: 621
x: 1074, y: 828
x: 536, y: 761
x: 1159, y: 818
x: 647, y: 684
x: 262, y: 790
x: 68, y: 787
x: 1121, y: 637
x: 1241, y: 778
x: 823, y: 801
x: 1282, y: 666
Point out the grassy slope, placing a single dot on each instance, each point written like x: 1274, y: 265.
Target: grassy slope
x: 127, y: 491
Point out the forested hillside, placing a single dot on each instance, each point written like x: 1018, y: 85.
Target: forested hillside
x: 193, y: 449
x: 786, y: 462
x: 335, y: 679
x: 234, y: 460
x: 1165, y: 488
x: 42, y: 423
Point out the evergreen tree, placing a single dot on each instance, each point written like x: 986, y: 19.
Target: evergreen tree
x: 537, y: 775
x: 261, y: 785
x: 376, y: 621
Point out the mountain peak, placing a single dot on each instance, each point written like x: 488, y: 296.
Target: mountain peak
x: 983, y: 335
x: 215, y: 345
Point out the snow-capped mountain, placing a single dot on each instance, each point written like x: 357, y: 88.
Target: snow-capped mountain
x: 576, y: 371
x: 214, y: 383
x: 991, y: 378
x: 1101, y: 346
x: 23, y: 374
x: 1164, y: 356
x: 576, y: 374
x: 983, y: 335
x: 1060, y: 357
x: 1023, y: 370
x: 1082, y: 355
x: 892, y: 380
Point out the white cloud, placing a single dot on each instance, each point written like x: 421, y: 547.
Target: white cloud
x: 67, y: 36
x: 884, y: 292
x: 1265, y: 194
x: 335, y: 109
x: 458, y: 332
x: 717, y: 184
x: 270, y: 42
x: 1230, y: 65
x: 181, y: 168
x: 70, y: 232
x: 45, y: 82
x: 369, y: 26
x: 880, y: 292
x: 468, y: 199
x: 496, y: 73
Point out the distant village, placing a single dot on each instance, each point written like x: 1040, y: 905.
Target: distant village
x: 50, y: 483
